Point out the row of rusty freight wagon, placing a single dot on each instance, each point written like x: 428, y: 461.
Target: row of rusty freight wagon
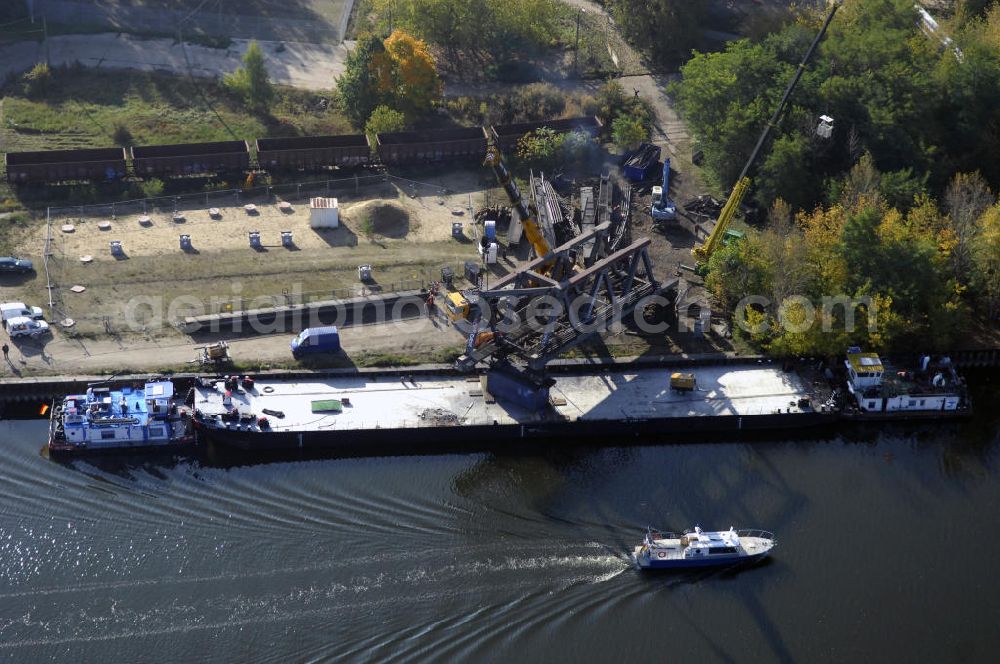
x: 300, y: 153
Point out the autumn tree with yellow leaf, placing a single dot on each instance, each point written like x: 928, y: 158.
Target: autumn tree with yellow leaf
x: 398, y: 73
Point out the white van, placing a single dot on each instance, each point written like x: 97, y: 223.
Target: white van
x: 10, y: 310
x: 22, y: 326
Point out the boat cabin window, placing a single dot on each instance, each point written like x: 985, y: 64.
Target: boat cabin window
x: 871, y: 404
x: 722, y: 549
x: 156, y: 432
x: 107, y: 435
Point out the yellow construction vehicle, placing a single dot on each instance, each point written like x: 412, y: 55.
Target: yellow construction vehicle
x: 705, y: 251
x: 457, y: 306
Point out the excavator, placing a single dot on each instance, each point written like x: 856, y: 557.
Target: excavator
x: 743, y: 182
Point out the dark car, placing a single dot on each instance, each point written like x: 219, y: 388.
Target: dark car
x: 14, y: 264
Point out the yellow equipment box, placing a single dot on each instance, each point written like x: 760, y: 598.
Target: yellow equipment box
x: 682, y: 382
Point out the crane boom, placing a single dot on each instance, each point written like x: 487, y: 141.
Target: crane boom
x: 495, y: 160
x: 705, y: 251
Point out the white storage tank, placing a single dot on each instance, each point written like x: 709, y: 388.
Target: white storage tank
x: 324, y: 213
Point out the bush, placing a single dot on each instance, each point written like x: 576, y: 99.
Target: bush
x: 540, y: 149
x: 384, y: 120
x: 628, y: 132
x: 122, y: 136
x: 152, y: 188
x: 578, y: 149
x: 543, y: 100
x: 251, y: 81
x: 36, y: 80
x: 367, y: 227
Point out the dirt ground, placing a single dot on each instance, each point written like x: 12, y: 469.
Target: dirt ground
x: 142, y: 295
x: 222, y: 266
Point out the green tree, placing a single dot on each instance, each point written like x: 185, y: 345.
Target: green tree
x: 787, y: 172
x: 500, y: 28
x: 627, y: 132
x: 667, y: 29
x: 987, y: 263
x: 251, y: 81
x: 398, y: 72
x: 384, y: 120
x: 727, y: 98
x: 358, y: 87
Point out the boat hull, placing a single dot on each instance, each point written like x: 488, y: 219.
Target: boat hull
x: 473, y: 437
x: 692, y: 563
x: 66, y: 449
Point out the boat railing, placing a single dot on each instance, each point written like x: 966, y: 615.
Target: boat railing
x: 753, y: 532
x: 654, y: 534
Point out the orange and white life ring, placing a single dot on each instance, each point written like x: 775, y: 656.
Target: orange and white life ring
x: 661, y: 554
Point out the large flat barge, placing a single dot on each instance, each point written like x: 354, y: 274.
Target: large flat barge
x: 412, y: 414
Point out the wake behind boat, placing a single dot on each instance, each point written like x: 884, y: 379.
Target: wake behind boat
x: 701, y: 548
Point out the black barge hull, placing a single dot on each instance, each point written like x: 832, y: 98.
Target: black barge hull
x: 468, y: 438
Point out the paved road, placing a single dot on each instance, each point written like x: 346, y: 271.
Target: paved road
x: 301, y: 65
x: 67, y: 356
x: 316, y: 21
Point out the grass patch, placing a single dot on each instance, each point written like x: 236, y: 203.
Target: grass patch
x: 84, y: 108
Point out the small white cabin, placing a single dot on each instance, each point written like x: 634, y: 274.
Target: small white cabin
x: 324, y: 213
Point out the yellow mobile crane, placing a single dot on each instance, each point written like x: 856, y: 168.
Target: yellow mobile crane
x: 457, y: 305
x: 705, y: 251
x: 495, y: 160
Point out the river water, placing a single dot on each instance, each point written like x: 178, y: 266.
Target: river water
x: 888, y: 549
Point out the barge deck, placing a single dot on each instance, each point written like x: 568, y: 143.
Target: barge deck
x: 416, y: 414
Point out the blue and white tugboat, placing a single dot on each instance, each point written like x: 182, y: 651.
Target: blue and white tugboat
x: 700, y: 548
x: 108, y: 418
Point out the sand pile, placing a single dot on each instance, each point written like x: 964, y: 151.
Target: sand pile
x: 388, y: 218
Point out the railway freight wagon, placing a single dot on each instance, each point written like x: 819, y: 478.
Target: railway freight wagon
x: 405, y: 147
x: 190, y: 158
x: 59, y: 165
x: 313, y: 153
x: 507, y: 136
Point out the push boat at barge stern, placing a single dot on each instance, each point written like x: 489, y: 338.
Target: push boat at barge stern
x: 106, y: 418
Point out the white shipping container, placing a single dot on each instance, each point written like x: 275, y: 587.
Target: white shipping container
x: 324, y: 213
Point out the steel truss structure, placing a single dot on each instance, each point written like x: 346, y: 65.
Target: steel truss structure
x: 550, y: 305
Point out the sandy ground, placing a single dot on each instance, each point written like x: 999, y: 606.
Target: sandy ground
x: 300, y: 65
x: 144, y: 294
x: 425, y: 221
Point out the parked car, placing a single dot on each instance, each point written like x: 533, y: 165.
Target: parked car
x: 22, y: 326
x: 10, y: 310
x: 15, y: 264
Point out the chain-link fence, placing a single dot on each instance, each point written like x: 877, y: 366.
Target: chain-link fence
x: 360, y: 186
